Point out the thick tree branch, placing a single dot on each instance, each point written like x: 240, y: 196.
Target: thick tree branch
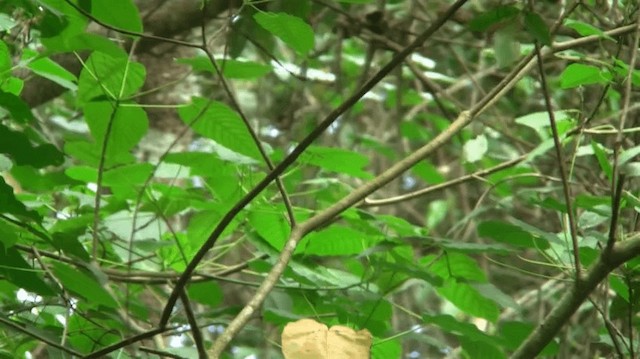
x: 608, y: 261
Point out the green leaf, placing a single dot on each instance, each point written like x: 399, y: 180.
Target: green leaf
x: 601, y: 156
x: 271, y: 224
x: 628, y: 155
x: 17, y: 108
x: 50, y: 70
x: 83, y: 284
x: 585, y: 29
x: 12, y: 85
x: 111, y: 77
x: 90, y: 153
x: 468, y: 299
x: 451, y: 325
x: 534, y: 24
x: 233, y: 69
x: 493, y: 17
x: 292, y: 30
x: 122, y: 14
x: 459, y: 266
x: 8, y: 235
x: 69, y: 245
x: 386, y: 349
x: 220, y: 123
x: 17, y: 271
x: 506, y: 46
x: 337, y: 160
x: 539, y: 121
x: 17, y: 146
x: 427, y: 172
x: 5, y: 59
x: 10, y: 204
x: 578, y: 74
x: 631, y: 169
x: 514, y: 333
x: 207, y: 293
x: 128, y: 175
x: 124, y: 128
x: 507, y: 233
x: 336, y: 241
x: 480, y: 350
x: 6, y: 24
x: 436, y: 213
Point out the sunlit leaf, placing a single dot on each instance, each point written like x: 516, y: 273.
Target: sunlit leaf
x: 579, y: 74
x: 292, y: 30
x: 220, y: 123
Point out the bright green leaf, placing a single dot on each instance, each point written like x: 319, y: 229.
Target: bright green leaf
x: 337, y: 160
x: 579, y: 74
x: 220, y: 123
x: 387, y: 349
x: 122, y: 14
x: 123, y: 129
x: 585, y: 29
x: 292, y: 30
x: 271, y: 224
x: 336, y: 241
x: 49, y: 69
x: 459, y: 266
x: 104, y: 76
x: 5, y: 59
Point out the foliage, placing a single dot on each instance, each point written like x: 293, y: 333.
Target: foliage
x: 182, y: 179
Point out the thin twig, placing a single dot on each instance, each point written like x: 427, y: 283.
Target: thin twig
x: 18, y: 327
x: 441, y: 186
x: 193, y: 323
x: 573, y: 229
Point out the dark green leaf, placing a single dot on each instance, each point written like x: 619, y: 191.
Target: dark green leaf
x: 10, y: 204
x: 537, y: 27
x: 17, y: 271
x: 493, y: 17
x: 83, y: 284
x: 17, y: 108
x: 507, y: 233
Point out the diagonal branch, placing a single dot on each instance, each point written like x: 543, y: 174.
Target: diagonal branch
x: 620, y: 253
x: 304, y: 144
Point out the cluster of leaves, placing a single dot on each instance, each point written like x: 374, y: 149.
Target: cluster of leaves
x: 431, y: 231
